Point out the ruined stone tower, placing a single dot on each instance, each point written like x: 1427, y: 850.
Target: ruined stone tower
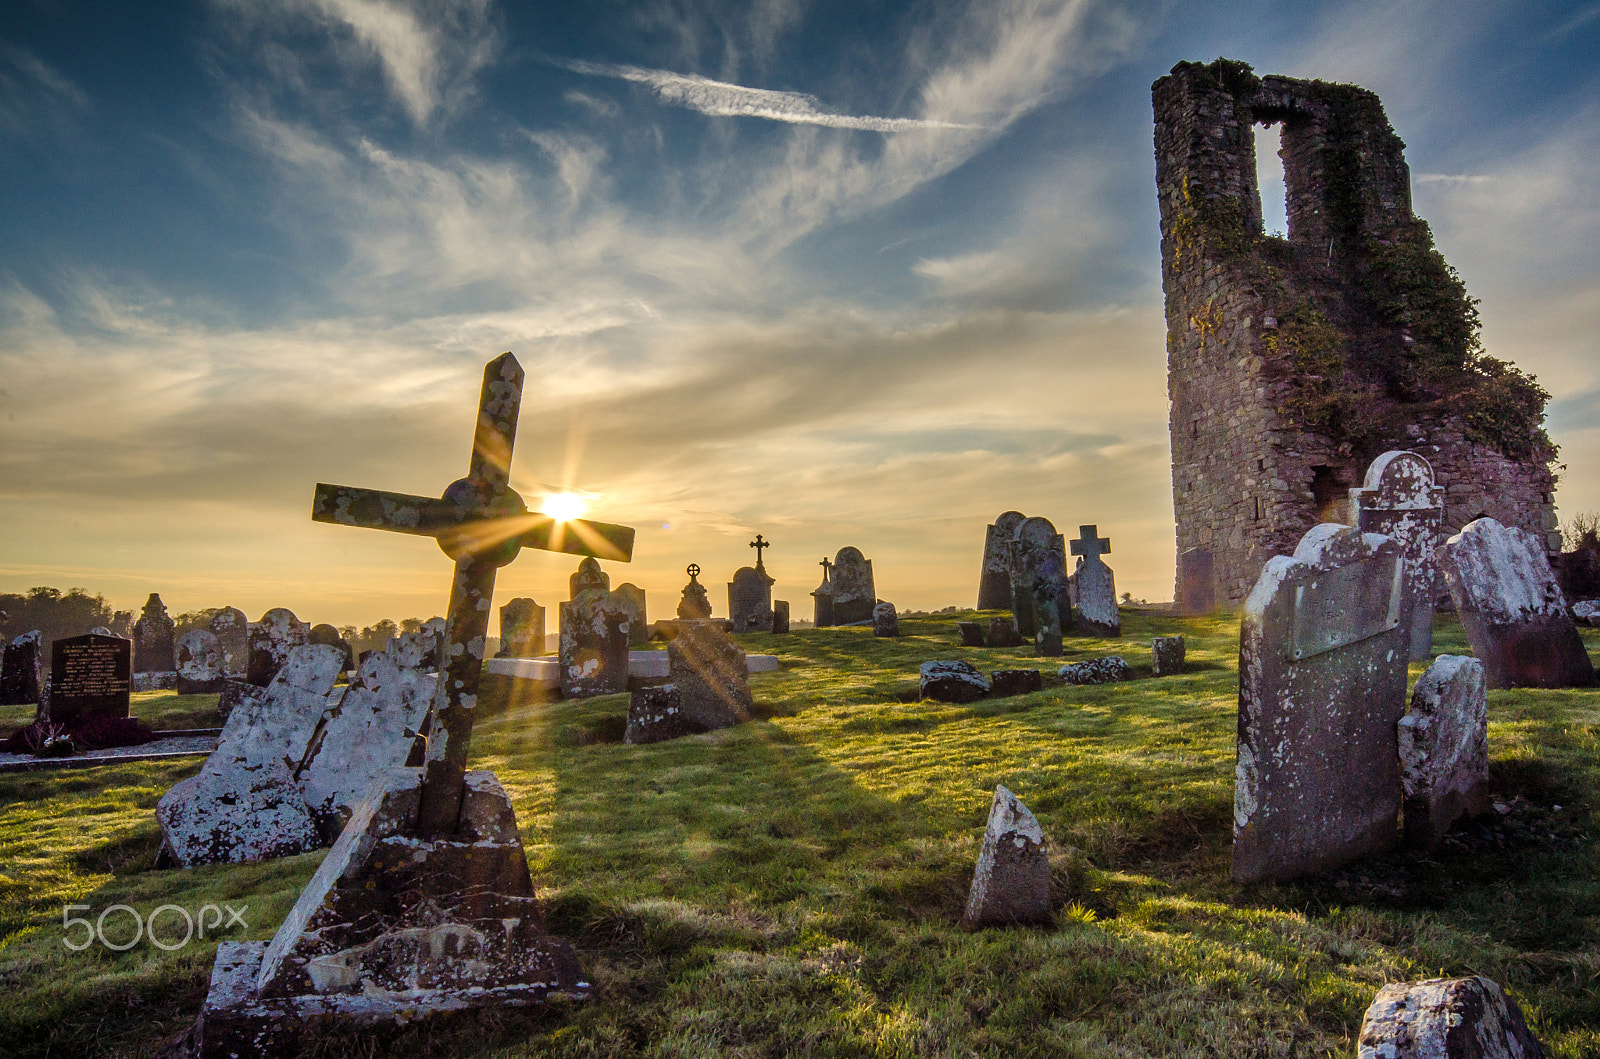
x: 1293, y: 363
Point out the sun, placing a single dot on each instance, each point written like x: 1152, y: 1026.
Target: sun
x: 564, y: 506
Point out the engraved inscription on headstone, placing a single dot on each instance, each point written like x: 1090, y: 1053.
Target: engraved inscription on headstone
x: 1340, y: 607
x: 90, y: 677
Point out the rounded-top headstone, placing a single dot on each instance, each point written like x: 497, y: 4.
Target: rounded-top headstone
x: 588, y: 576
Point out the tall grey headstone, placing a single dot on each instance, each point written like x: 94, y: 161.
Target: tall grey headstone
x: 713, y: 680
x: 994, y: 580
x: 1512, y: 609
x: 750, y: 600
x: 1444, y: 749
x: 593, y: 646
x: 271, y: 639
x: 521, y: 629
x: 1399, y: 499
x: 232, y: 630
x: 153, y: 648
x: 629, y: 598
x: 1039, y: 584
x: 1322, y: 686
x: 199, y: 663
x: 1012, y: 881
x: 1097, y: 586
x: 244, y: 804
x: 854, y: 593
x: 19, y: 671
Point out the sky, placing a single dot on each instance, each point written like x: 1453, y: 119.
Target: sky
x: 854, y: 273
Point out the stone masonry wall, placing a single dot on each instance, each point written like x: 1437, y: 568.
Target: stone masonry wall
x: 1247, y: 480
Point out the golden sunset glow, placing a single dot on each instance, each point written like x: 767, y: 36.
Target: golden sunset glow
x: 564, y: 506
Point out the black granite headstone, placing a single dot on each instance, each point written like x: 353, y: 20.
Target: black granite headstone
x: 90, y: 678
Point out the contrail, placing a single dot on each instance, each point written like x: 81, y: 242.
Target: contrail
x: 721, y: 99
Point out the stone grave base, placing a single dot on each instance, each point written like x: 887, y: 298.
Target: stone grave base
x: 669, y: 628
x: 155, y: 681
x: 394, y: 926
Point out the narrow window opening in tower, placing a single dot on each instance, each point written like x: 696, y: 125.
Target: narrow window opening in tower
x: 1269, y: 179
x: 1330, y: 492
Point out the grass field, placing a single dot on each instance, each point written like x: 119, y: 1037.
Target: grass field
x: 793, y: 886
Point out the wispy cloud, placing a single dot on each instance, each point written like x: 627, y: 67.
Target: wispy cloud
x: 721, y: 99
x: 32, y: 92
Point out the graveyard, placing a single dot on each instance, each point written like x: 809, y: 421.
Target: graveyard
x: 795, y: 884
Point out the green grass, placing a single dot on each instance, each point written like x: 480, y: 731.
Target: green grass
x: 161, y: 710
x: 793, y: 886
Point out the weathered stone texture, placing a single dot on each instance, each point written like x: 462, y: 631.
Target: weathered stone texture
x: 521, y: 629
x: 885, y: 620
x: 655, y: 715
x: 1444, y: 749
x: 199, y: 663
x: 1512, y: 609
x: 711, y: 676
x: 19, y: 671
x: 994, y: 580
x: 1167, y: 654
x: 1399, y: 499
x: 271, y: 639
x: 1106, y: 670
x: 232, y: 630
x: 1247, y: 482
x: 1096, y: 587
x: 1445, y: 1018
x: 1322, y: 685
x: 1003, y: 633
x: 953, y: 680
x: 153, y: 650
x: 854, y: 592
x: 1012, y: 881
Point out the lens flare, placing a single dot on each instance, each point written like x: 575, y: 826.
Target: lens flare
x: 564, y: 506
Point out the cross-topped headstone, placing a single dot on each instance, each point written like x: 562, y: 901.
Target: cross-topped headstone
x: 481, y: 523
x: 1090, y: 546
x: 827, y: 567
x: 759, y: 544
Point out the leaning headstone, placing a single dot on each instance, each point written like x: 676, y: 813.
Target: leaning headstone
x: 1106, y: 670
x: 750, y: 600
x: 1444, y: 749
x: 971, y: 633
x: 1004, y: 683
x: 654, y: 716
x: 1003, y: 633
x: 153, y: 649
x: 199, y: 663
x: 1445, y: 1018
x: 594, y: 646
x: 372, y: 729
x: 1012, y: 880
x: 695, y: 604
x: 19, y: 671
x: 994, y: 581
x: 90, y: 678
x: 1399, y: 499
x: 1197, y: 583
x: 235, y: 692
x: 521, y: 629
x: 1039, y: 584
x: 1166, y: 655
x: 244, y: 804
x: 780, y: 615
x: 1322, y: 685
x: 1097, y: 586
x: 629, y: 598
x: 232, y: 630
x: 1512, y: 609
x: 854, y: 594
x: 952, y: 680
x: 711, y: 676
x: 822, y: 598
x: 271, y: 639
x: 885, y: 620
x: 327, y: 636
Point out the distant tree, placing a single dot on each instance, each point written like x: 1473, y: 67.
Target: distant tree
x: 54, y: 614
x: 195, y: 619
x: 411, y: 625
x: 1581, y: 533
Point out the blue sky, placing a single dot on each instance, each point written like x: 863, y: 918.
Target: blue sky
x: 838, y: 273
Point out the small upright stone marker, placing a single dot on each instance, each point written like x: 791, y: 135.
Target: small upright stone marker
x: 19, y: 672
x: 521, y: 629
x: 1444, y: 749
x: 854, y: 594
x: 153, y: 650
x: 994, y: 581
x: 232, y: 630
x: 885, y: 620
x: 199, y: 663
x: 1097, y: 586
x: 780, y: 615
x: 1445, y: 1018
x: 1012, y: 880
x: 695, y: 604
x: 1166, y: 655
x: 1512, y: 609
x: 711, y: 676
x: 971, y: 633
x: 1322, y: 684
x: 1399, y: 499
x: 325, y: 635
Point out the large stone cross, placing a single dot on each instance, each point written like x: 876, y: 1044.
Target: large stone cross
x: 481, y: 523
x: 1089, y: 545
x: 759, y: 544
